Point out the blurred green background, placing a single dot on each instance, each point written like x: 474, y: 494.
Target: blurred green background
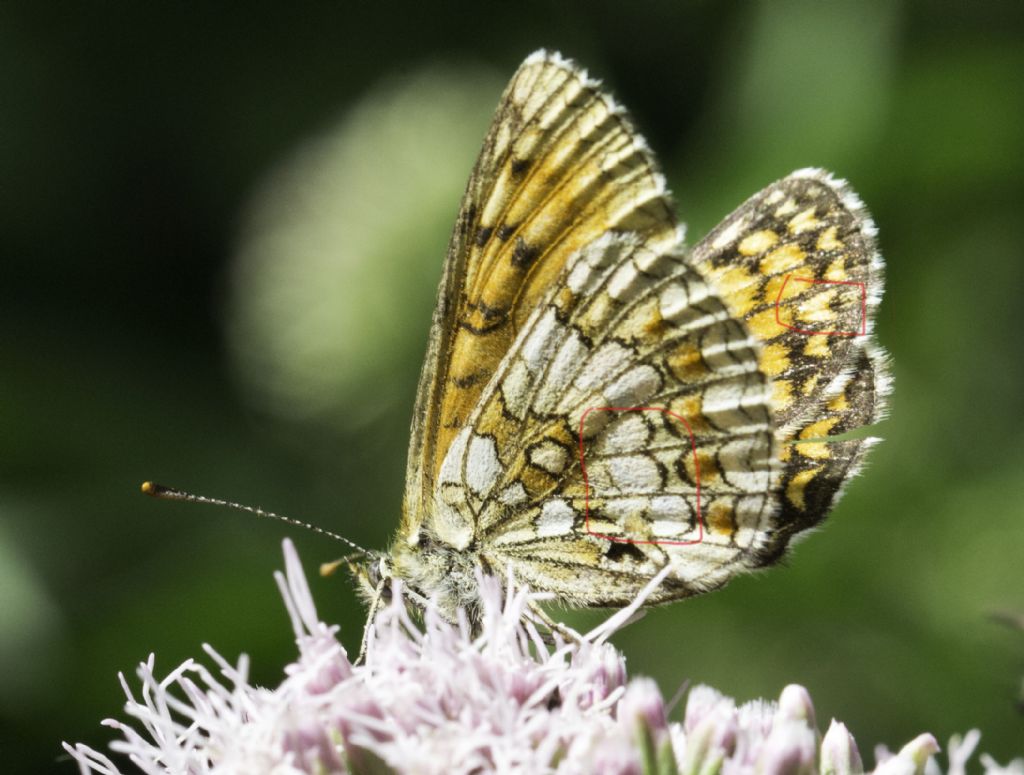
x: 222, y: 232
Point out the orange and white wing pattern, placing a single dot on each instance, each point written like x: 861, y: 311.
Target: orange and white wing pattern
x: 597, y: 402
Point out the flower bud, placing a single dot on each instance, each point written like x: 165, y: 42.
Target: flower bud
x: 839, y: 754
x: 795, y: 705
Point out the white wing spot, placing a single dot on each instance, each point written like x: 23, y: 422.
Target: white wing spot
x: 549, y: 456
x: 513, y: 495
x: 634, y: 387
x: 515, y: 388
x: 541, y: 340
x: 673, y: 300
x: 669, y: 508
x: 622, y: 281
x: 669, y: 528
x: 729, y: 233
x: 635, y: 473
x: 609, y: 358
x: 568, y: 359
x: 482, y: 466
x: 451, y: 468
x: 786, y: 208
x: 628, y: 433
x: 556, y: 518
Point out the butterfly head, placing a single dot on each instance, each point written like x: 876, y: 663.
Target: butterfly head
x: 372, y: 573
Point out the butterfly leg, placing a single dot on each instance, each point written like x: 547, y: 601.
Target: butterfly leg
x: 378, y: 597
x: 542, y: 616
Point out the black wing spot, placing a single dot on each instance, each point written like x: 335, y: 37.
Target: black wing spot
x: 469, y: 380
x: 524, y: 255
x: 520, y: 166
x: 505, y: 231
x: 620, y: 551
x: 483, y: 235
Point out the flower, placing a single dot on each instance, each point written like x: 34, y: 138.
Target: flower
x: 435, y: 697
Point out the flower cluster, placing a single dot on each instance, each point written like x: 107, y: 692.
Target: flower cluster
x: 434, y: 697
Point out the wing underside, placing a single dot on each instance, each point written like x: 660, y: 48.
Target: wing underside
x: 597, y: 402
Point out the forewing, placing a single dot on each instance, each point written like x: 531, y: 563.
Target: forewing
x: 560, y: 166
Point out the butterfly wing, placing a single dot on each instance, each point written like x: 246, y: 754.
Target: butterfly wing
x: 662, y: 408
x: 799, y: 264
x: 559, y: 166
x: 632, y: 426
x: 596, y: 403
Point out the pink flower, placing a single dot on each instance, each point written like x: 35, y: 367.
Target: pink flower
x: 432, y: 697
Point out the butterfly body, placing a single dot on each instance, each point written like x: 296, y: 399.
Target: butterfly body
x: 598, y: 401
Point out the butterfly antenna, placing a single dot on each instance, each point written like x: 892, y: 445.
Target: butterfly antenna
x: 163, y: 492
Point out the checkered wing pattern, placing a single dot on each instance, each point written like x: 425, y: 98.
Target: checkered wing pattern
x: 798, y: 264
x: 598, y: 402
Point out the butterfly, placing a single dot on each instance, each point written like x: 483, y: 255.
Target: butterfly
x: 599, y: 402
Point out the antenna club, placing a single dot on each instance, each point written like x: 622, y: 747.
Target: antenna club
x: 154, y: 490
x: 329, y: 568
